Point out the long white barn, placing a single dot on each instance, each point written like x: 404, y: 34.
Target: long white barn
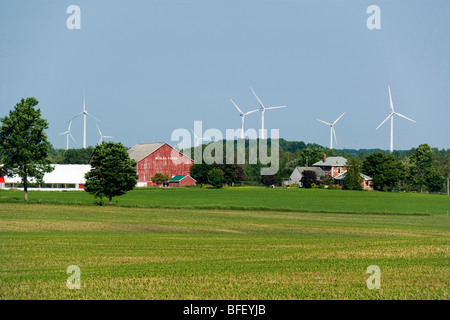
x: 63, y: 177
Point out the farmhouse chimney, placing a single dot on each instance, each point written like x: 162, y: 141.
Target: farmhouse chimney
x: 324, y: 157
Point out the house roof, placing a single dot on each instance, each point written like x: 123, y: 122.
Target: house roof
x: 140, y: 151
x: 342, y: 176
x: 319, y: 172
x: 337, y: 161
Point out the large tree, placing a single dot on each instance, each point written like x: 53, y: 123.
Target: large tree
x: 200, y: 172
x: 421, y: 166
x: 353, y: 180
x: 216, y: 178
x: 159, y: 178
x: 25, y: 147
x: 113, y: 173
x: 385, y: 170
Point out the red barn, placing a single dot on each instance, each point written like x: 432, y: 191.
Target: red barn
x: 182, y: 181
x: 158, y: 157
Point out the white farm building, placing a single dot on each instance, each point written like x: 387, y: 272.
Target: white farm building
x: 63, y: 177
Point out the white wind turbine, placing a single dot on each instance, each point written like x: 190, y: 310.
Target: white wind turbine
x: 242, y: 114
x: 198, y: 139
x: 263, y: 110
x: 333, y: 132
x: 67, y: 133
x: 102, y: 136
x: 84, y: 113
x: 391, y: 116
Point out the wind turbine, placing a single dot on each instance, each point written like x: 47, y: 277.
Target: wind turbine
x: 102, y: 136
x: 84, y: 113
x: 198, y: 139
x: 67, y: 133
x: 333, y: 132
x: 242, y: 114
x: 263, y: 110
x: 391, y: 116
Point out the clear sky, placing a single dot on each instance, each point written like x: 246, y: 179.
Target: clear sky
x: 150, y: 67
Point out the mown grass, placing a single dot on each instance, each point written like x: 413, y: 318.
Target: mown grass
x: 150, y: 253
x: 256, y: 198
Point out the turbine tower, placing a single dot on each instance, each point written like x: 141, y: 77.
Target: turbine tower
x: 333, y: 132
x: 391, y: 116
x: 263, y: 110
x: 102, y: 136
x: 242, y: 114
x: 67, y: 133
x: 84, y: 113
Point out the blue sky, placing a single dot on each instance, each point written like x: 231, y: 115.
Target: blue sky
x: 150, y: 67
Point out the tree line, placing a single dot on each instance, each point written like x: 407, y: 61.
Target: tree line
x: 421, y: 169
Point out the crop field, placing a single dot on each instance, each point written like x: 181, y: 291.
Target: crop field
x: 254, y: 198
x: 213, y: 253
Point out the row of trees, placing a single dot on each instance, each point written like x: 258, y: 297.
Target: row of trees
x: 419, y: 172
x: 25, y: 151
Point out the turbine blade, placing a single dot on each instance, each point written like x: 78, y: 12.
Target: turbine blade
x: 66, y: 132
x: 260, y: 103
x: 92, y: 116
x: 194, y: 134
x: 390, y: 99
x: 75, y: 117
x: 338, y: 119
x: 250, y: 112
x: 404, y: 117
x: 334, y: 133
x: 324, y: 122
x: 390, y: 115
x: 72, y: 138
x: 276, y: 107
x: 237, y: 107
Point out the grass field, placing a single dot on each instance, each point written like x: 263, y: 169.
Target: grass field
x: 256, y: 198
x: 156, y: 253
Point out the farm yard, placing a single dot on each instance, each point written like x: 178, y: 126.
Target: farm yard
x: 193, y: 243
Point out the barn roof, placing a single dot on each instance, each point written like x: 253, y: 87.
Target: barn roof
x: 178, y: 178
x: 140, y: 151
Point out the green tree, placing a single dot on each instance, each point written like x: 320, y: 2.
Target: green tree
x: 353, y: 180
x: 200, y: 172
x: 326, y: 180
x: 421, y: 166
x: 270, y: 180
x: 308, y: 178
x: 159, y: 178
x: 435, y: 182
x: 78, y: 156
x: 23, y: 140
x: 113, y: 173
x: 216, y: 178
x: 385, y: 170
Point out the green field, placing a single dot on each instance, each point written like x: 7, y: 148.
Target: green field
x: 183, y: 253
x: 256, y: 198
